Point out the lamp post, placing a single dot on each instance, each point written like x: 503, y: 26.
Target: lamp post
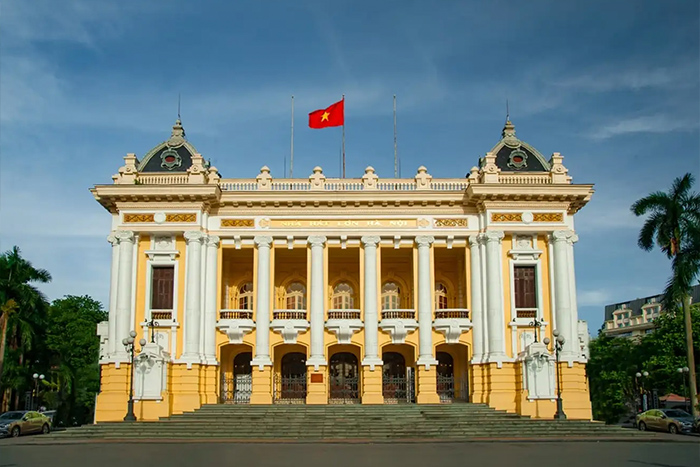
x: 36, y: 377
x: 152, y: 325
x: 558, y: 345
x: 129, y: 344
x: 640, y: 385
x: 684, y: 374
x: 535, y: 323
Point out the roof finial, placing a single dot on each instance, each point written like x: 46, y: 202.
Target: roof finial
x: 178, y: 106
x: 507, y: 111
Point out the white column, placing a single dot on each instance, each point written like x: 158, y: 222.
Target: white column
x: 113, y: 283
x: 494, y: 297
x: 572, y: 288
x: 425, y: 306
x: 210, y: 299
x: 262, y: 304
x: 562, y: 286
x: 317, y: 310
x: 193, y: 292
x: 477, y: 311
x: 124, y: 282
x: 370, y: 303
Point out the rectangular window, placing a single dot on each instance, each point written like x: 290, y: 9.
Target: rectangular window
x: 525, y: 287
x: 162, y: 287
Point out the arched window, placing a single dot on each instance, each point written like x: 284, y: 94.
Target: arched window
x: 343, y: 297
x: 245, y: 296
x: 296, y: 296
x: 391, y: 296
x: 440, y: 296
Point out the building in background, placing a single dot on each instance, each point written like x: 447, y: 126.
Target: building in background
x: 319, y: 290
x: 634, y: 318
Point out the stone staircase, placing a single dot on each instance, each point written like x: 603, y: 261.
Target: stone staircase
x: 346, y: 422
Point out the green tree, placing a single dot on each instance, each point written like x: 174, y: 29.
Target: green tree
x: 22, y: 322
x: 74, y: 349
x: 673, y: 223
x: 611, y: 369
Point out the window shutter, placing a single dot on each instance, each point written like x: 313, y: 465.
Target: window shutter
x: 525, y: 287
x: 162, y: 288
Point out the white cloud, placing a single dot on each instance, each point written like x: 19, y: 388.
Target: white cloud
x: 660, y: 123
x: 595, y: 297
x: 621, y: 77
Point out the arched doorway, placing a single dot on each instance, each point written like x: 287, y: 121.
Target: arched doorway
x: 290, y: 386
x: 242, y: 378
x: 445, y: 375
x: 236, y: 376
x: 343, y: 377
x: 397, y: 380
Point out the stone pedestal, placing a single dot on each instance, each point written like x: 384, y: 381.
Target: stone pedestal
x: 185, y: 388
x: 262, y: 386
x: 317, y: 386
x: 372, y: 385
x: 427, y: 386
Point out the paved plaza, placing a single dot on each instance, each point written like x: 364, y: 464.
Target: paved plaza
x: 482, y: 454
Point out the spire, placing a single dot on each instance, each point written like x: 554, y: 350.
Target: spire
x: 177, y: 137
x: 508, y: 135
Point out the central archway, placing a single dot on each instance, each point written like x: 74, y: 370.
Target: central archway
x: 343, y: 375
x: 290, y: 386
x: 397, y: 379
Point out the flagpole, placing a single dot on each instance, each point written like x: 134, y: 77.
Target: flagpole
x: 343, y: 135
x: 396, y: 157
x: 291, y: 159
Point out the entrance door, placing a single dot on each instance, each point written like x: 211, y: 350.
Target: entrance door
x: 290, y: 386
x: 242, y: 378
x: 396, y: 385
x: 445, y: 377
x: 343, y: 377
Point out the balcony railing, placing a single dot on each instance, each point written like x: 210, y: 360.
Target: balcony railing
x: 452, y: 313
x: 526, y: 312
x: 343, y: 314
x: 162, y: 315
x: 289, y: 314
x: 236, y: 314
x: 398, y: 314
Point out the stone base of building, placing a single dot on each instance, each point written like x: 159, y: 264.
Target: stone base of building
x: 190, y: 388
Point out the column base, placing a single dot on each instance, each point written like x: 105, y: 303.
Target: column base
x: 426, y: 361
x: 261, y: 361
x: 372, y: 384
x: 372, y: 362
x: 185, y: 392
x: 316, y: 361
x: 262, y: 386
x: 427, y: 386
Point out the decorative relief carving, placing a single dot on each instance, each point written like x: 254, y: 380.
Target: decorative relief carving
x: 548, y: 217
x: 138, y: 218
x: 507, y: 217
x: 451, y: 223
x: 237, y: 223
x: 181, y: 217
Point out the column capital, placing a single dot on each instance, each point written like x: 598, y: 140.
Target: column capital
x: 194, y: 236
x: 493, y: 236
x: 316, y: 240
x: 563, y: 236
x: 123, y: 236
x: 113, y: 239
x: 424, y: 240
x: 475, y: 240
x: 213, y: 240
x: 263, y: 241
x: 370, y: 240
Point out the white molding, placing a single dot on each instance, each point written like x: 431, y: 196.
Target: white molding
x: 452, y: 328
x: 289, y: 328
x: 398, y: 328
x: 235, y: 329
x: 344, y: 328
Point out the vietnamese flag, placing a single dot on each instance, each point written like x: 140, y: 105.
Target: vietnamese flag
x: 331, y: 116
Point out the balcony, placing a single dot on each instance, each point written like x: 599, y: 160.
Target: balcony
x: 452, y: 322
x: 236, y: 324
x: 289, y: 323
x: 398, y: 323
x: 344, y: 323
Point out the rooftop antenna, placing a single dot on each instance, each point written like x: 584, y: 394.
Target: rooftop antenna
x: 178, y: 106
x: 507, y: 111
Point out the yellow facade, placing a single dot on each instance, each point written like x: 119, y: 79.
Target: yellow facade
x: 428, y: 247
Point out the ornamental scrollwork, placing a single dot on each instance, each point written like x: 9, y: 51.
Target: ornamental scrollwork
x: 548, y: 217
x: 191, y: 217
x: 237, y: 223
x: 507, y: 217
x: 451, y: 223
x: 138, y: 218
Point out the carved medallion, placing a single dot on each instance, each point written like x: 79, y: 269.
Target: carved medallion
x: 170, y: 159
x: 517, y: 159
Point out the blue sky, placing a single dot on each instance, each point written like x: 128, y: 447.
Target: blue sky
x: 612, y: 85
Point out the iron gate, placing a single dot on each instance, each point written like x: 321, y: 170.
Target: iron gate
x: 344, y: 390
x: 236, y: 389
x: 451, y: 389
x: 289, y: 389
x: 398, y: 389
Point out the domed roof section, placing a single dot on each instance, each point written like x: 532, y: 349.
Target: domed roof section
x: 173, y: 155
x: 513, y: 155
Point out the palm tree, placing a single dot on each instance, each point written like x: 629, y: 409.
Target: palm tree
x: 674, y: 225
x: 20, y: 301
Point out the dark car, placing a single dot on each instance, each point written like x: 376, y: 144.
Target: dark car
x: 669, y: 420
x: 22, y: 422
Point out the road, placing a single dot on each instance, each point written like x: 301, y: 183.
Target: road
x: 482, y: 454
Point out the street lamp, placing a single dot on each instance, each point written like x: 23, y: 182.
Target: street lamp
x: 37, y: 377
x: 640, y: 385
x: 558, y: 345
x: 535, y: 323
x: 130, y: 347
x: 684, y: 373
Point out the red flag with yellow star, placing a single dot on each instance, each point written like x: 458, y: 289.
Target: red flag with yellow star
x: 334, y: 115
